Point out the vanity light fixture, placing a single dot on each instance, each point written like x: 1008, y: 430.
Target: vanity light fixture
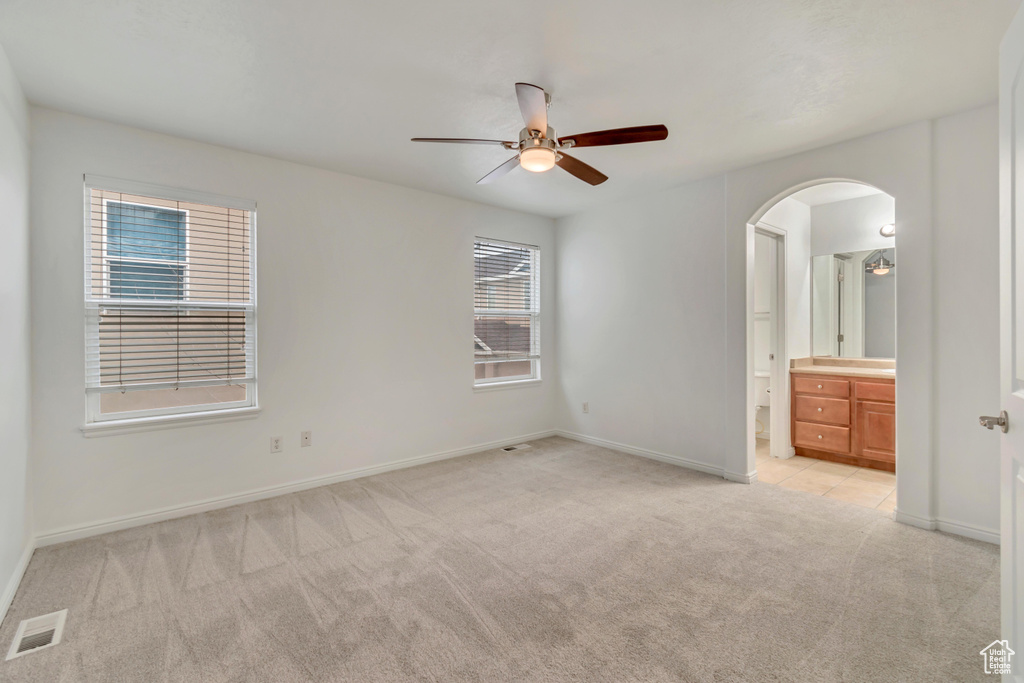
x: 888, y: 230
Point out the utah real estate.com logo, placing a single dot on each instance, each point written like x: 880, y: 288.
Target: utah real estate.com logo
x: 997, y: 657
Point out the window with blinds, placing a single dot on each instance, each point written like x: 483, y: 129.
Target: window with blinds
x: 170, y: 301
x: 506, y: 315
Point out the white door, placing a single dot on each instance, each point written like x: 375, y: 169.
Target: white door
x: 1011, y: 278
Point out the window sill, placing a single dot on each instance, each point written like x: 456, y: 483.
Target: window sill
x: 147, y: 424
x: 511, y: 384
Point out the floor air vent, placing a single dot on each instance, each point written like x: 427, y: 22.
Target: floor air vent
x: 38, y: 633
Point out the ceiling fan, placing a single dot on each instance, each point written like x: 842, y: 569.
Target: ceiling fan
x: 539, y: 149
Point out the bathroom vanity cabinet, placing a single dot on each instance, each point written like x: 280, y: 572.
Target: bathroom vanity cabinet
x: 844, y: 418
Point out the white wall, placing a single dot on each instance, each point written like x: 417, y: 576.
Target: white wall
x: 642, y: 324
x: 852, y: 225
x: 641, y: 292
x: 15, y: 516
x: 966, y: 284
x: 365, y: 326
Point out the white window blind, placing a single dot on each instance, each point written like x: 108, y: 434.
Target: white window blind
x: 170, y: 302
x: 506, y: 325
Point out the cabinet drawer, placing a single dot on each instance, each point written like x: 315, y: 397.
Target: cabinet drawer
x: 815, y: 409
x: 821, y: 387
x: 822, y: 437
x: 876, y: 391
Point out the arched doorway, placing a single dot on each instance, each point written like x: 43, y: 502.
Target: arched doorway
x: 821, y: 290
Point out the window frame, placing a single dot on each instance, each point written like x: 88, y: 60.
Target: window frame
x: 534, y: 376
x: 183, y: 263
x: 99, y: 423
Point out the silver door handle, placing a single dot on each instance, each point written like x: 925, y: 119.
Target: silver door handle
x: 990, y: 422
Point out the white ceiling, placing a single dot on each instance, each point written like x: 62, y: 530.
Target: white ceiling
x: 344, y: 85
x: 828, y: 193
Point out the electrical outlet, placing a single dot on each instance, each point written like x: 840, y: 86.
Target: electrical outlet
x: 586, y: 406
x: 307, y: 439
x: 276, y: 444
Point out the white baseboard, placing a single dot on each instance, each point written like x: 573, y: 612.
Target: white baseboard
x: 15, y: 580
x: 913, y: 520
x: 969, y: 530
x: 652, y: 455
x: 73, y: 533
x: 748, y: 478
x: 948, y: 526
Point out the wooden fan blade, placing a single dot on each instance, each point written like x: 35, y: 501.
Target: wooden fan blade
x: 617, y: 136
x: 534, y: 106
x: 500, y: 171
x: 464, y: 141
x: 584, y: 172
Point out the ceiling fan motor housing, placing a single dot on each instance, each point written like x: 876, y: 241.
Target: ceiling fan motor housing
x: 528, y: 138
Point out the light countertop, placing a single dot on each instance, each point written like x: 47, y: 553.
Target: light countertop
x: 877, y: 368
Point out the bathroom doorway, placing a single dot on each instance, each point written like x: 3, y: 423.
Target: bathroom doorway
x: 821, y: 286
x: 771, y: 428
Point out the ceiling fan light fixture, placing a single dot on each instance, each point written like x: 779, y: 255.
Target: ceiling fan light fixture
x: 537, y: 159
x: 882, y: 266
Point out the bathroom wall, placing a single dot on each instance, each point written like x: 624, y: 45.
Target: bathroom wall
x: 852, y: 225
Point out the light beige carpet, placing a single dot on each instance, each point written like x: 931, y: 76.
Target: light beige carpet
x: 561, y: 563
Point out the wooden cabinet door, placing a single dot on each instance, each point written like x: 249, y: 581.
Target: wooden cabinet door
x: 875, y: 435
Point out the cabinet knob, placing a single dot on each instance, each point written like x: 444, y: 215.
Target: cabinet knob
x: 819, y: 410
x: 819, y: 386
x: 819, y: 436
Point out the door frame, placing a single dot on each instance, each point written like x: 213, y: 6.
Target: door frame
x: 779, y: 367
x: 1011, y: 484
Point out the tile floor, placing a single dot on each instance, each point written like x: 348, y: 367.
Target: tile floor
x: 858, y: 485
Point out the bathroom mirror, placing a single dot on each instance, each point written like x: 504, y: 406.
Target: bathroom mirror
x: 853, y: 304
